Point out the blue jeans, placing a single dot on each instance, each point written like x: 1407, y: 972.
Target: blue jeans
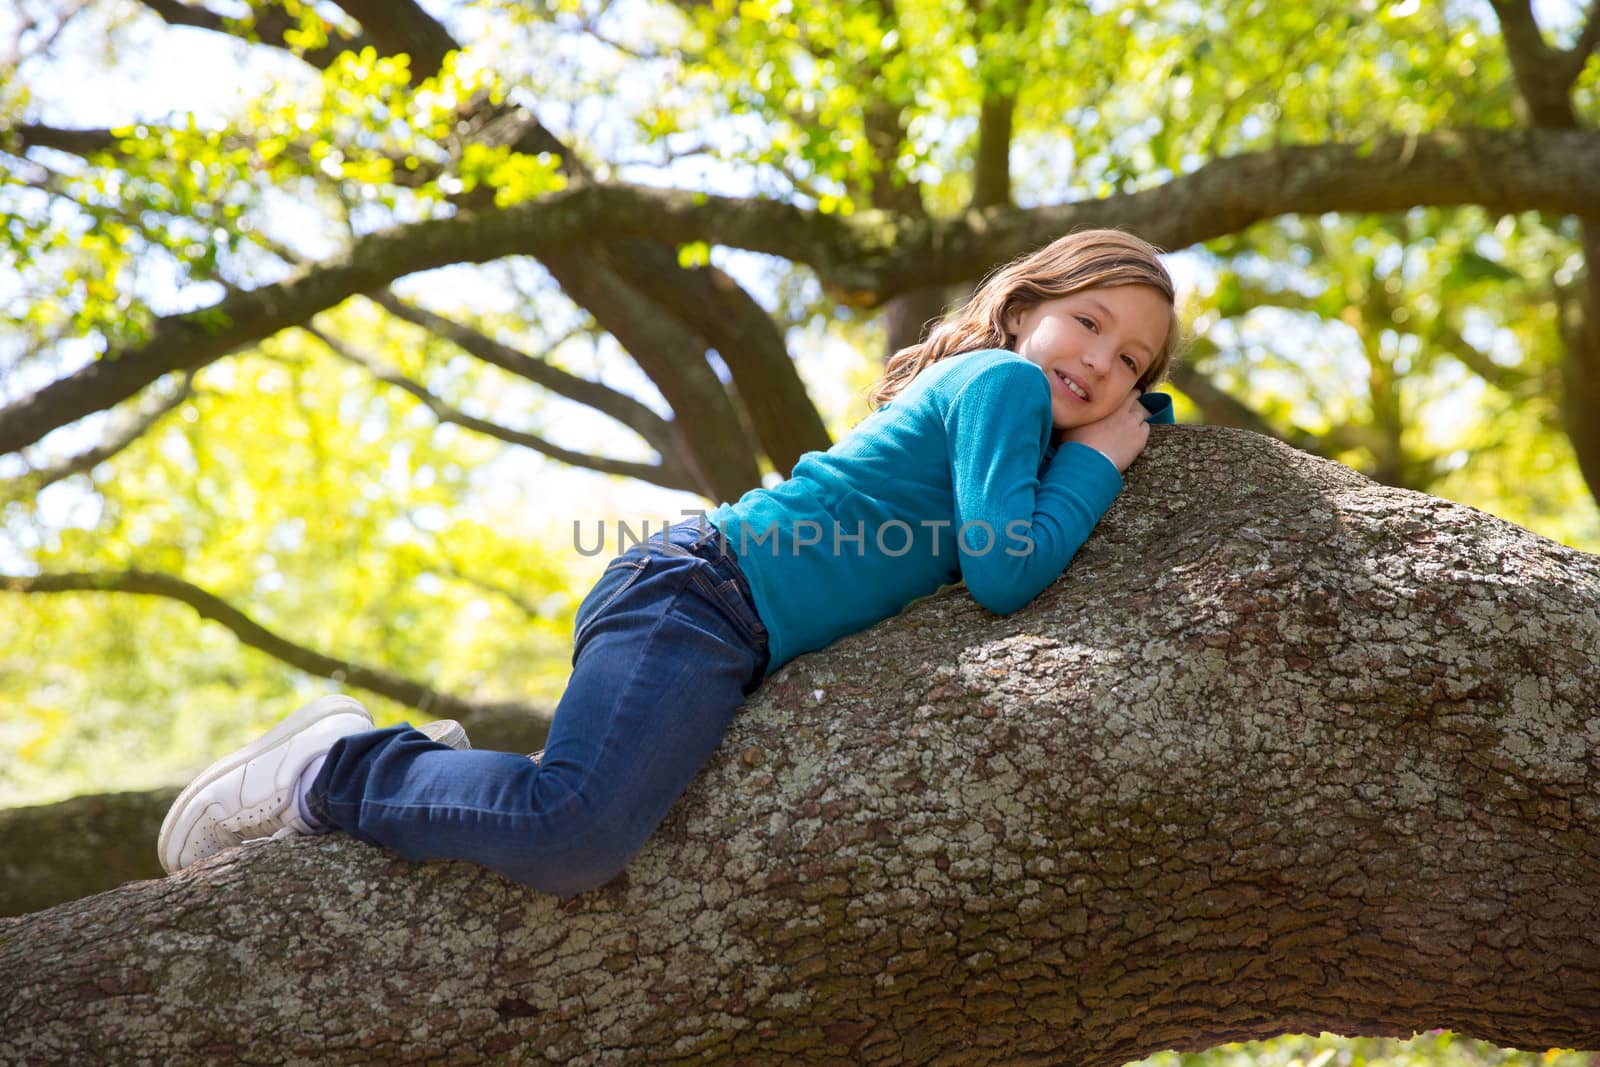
x: 666, y: 647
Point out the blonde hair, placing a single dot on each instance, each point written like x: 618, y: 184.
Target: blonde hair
x: 1092, y: 259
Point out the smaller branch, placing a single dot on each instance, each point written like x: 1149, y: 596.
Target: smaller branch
x: 625, y: 409
x: 590, y: 26
x: 515, y: 127
x: 799, y: 183
x: 1218, y: 407
x: 511, y: 596
x: 1223, y: 409
x: 717, y: 447
x: 14, y: 54
x: 396, y: 26
x: 1588, y: 41
x: 664, y: 474
x: 174, y: 13
x: 991, y: 186
x: 769, y: 394
x: 448, y: 563
x: 270, y: 28
x: 1544, y: 75
x: 1509, y: 380
x: 88, y: 141
x: 669, y: 156
x: 1534, y: 60
x: 31, y: 483
x: 85, y: 142
x: 385, y: 683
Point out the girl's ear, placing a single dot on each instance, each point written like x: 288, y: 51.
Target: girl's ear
x: 1012, y: 322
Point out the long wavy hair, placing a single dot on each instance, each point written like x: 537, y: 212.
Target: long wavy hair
x: 1091, y: 259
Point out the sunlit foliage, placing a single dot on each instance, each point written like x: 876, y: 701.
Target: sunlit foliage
x: 1434, y: 1049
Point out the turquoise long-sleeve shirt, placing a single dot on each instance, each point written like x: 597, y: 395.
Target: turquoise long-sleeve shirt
x: 954, y: 479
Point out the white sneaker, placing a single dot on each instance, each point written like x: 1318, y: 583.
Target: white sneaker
x: 249, y: 793
x: 446, y: 732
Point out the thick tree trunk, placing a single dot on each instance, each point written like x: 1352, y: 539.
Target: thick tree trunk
x: 1580, y: 401
x: 88, y: 844
x: 1284, y: 751
x: 908, y: 317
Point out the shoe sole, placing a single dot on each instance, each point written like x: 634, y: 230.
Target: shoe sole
x: 310, y: 715
x: 446, y: 732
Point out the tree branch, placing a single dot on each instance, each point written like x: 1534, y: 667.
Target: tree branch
x: 119, y: 438
x: 1544, y: 75
x: 1220, y: 408
x: 92, y: 843
x: 1513, y: 381
x: 868, y: 256
x: 605, y: 282
x: 208, y: 606
x: 991, y: 180
x: 84, y: 142
x: 664, y: 474
x: 1580, y: 370
x: 403, y: 26
x: 1588, y: 41
x: 716, y: 445
x: 1077, y: 834
x: 510, y: 596
x: 619, y: 406
x: 269, y: 27
x: 782, y: 416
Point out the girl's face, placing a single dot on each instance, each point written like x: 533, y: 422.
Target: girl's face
x: 1093, y: 345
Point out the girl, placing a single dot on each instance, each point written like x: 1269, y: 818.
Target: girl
x: 996, y: 446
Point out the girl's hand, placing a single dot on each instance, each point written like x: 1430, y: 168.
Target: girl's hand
x: 1120, y: 436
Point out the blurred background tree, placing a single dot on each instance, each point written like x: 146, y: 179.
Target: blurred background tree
x: 334, y: 324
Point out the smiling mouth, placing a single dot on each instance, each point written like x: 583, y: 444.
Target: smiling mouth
x: 1073, y: 387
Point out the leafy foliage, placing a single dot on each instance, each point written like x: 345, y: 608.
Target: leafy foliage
x: 1424, y: 350
x: 345, y: 519
x: 1438, y: 1048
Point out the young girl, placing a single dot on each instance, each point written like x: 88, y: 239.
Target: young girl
x: 996, y: 446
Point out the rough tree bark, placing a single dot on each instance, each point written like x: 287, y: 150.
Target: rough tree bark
x: 1284, y: 751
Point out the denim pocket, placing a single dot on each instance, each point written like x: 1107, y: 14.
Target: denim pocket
x: 620, y: 574
x: 735, y: 606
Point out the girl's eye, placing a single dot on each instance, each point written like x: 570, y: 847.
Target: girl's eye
x: 1132, y: 363
x: 1088, y: 323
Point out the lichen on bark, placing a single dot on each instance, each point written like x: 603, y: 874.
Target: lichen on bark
x: 1283, y: 751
